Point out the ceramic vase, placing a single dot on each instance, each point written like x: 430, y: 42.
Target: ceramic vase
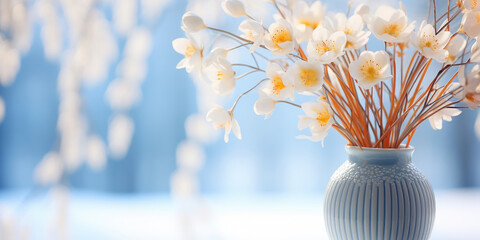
x: 379, y: 194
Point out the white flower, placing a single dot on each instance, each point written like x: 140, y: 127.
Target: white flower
x: 192, y: 51
x: 252, y: 31
x: 306, y: 76
x: 370, y: 68
x: 96, y: 154
x: 471, y: 86
x: 279, y: 38
x: 326, y: 46
x: 234, y: 8
x: 471, y: 23
x: 363, y: 11
x: 445, y: 114
x: 390, y: 25
x: 192, y: 23
x: 306, y: 19
x: 471, y: 4
x: 120, y: 132
x: 429, y: 44
x: 222, y: 118
x: 265, y: 105
x: 277, y: 87
x: 49, y: 170
x: 221, y: 76
x: 475, y: 51
x: 455, y: 48
x: 214, y: 55
x: 318, y: 118
x: 352, y: 27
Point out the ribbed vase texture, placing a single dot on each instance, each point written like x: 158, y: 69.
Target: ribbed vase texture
x: 379, y: 194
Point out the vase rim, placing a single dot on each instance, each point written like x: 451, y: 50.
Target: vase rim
x: 400, y: 149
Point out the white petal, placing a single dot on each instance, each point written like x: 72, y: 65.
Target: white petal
x: 234, y: 8
x: 264, y: 106
x: 192, y: 23
x: 218, y: 115
x: 236, y: 129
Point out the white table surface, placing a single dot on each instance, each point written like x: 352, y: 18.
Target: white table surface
x: 93, y: 215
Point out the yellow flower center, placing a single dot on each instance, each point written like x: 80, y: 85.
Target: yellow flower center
x: 348, y: 31
x: 277, y: 84
x: 470, y: 97
x: 349, y: 45
x: 250, y: 35
x: 323, y: 118
x: 370, y: 70
x: 308, y: 77
x: 220, y: 125
x: 429, y: 41
x: 190, y: 50
x: 220, y: 75
x: 311, y: 24
x: 450, y: 58
x: 324, y: 47
x: 392, y: 30
x: 280, y: 35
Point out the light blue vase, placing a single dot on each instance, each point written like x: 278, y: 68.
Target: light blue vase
x: 379, y: 194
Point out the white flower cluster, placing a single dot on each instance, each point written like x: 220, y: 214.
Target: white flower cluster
x: 335, y: 39
x: 329, y: 40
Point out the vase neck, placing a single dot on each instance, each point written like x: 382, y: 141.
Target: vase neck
x: 379, y: 156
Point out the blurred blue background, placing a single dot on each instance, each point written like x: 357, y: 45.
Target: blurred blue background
x: 268, y: 159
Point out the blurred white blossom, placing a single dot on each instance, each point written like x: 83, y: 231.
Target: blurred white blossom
x: 190, y: 155
x: 122, y: 95
x: 51, y: 32
x: 9, y: 62
x: 183, y: 184
x: 120, y: 132
x: 139, y: 44
x: 125, y: 15
x: 198, y: 129
x: 20, y: 26
x: 96, y: 154
x: 152, y: 8
x: 49, y: 170
x: 96, y: 50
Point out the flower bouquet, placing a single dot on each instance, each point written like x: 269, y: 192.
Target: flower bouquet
x: 372, y: 97
x: 373, y: 76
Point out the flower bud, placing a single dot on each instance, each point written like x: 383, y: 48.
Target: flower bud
x: 192, y: 23
x: 234, y: 8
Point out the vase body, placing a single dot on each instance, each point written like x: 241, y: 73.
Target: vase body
x: 379, y: 194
